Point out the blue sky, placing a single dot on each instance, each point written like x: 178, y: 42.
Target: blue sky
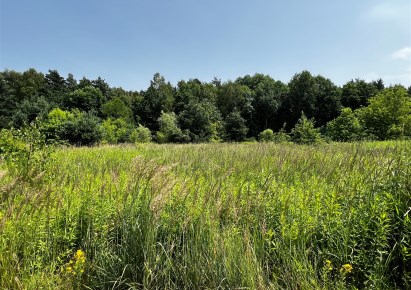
x: 127, y: 41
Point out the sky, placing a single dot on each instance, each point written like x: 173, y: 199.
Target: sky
x: 127, y: 41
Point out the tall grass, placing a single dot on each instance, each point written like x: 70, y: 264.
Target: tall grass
x: 212, y: 216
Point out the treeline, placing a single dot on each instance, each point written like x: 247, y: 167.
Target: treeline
x: 307, y: 109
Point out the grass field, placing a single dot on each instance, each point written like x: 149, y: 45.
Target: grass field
x: 212, y: 216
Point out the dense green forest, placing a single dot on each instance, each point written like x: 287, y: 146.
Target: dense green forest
x: 307, y: 109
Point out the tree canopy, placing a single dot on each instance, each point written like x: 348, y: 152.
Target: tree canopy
x: 252, y: 107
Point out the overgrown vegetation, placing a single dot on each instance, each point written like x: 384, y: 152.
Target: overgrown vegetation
x: 210, y: 216
x: 90, y: 112
x: 268, y: 215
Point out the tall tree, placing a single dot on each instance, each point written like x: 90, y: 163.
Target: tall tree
x: 235, y: 127
x: 16, y: 88
x: 56, y: 87
x: 84, y: 99
x: 316, y: 96
x: 388, y: 115
x: 104, y: 88
x: 355, y: 93
x: 327, y: 101
x: 233, y: 97
x: 199, y: 118
x: 158, y: 98
x: 301, y: 97
x: 193, y: 91
x: 116, y: 108
x: 267, y: 97
x: 71, y: 83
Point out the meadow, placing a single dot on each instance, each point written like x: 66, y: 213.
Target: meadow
x: 209, y: 216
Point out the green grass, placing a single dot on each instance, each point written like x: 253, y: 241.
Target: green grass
x: 212, y: 216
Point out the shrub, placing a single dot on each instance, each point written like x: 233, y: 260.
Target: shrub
x: 140, y: 134
x: 304, y: 131
x: 83, y: 130
x: 281, y: 136
x: 346, y: 127
x: 115, y: 131
x: 235, y: 127
x: 388, y: 116
x: 169, y: 129
x: 75, y: 127
x: 266, y: 136
x: 24, y: 151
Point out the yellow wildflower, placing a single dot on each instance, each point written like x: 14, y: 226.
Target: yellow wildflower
x: 80, y: 256
x: 346, y: 268
x: 328, y: 265
x: 77, y: 264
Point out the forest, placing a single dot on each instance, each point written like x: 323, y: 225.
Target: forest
x: 308, y: 109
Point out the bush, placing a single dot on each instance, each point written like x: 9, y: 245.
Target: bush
x: 24, y: 151
x: 235, y: 127
x: 266, y: 136
x: 140, y: 134
x: 281, y: 136
x: 115, y: 131
x: 388, y: 116
x: 84, y: 129
x: 346, y: 127
x: 304, y: 132
x: 80, y: 128
x: 169, y: 130
x: 54, y: 126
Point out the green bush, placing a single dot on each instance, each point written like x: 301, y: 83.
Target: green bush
x: 169, y: 130
x: 24, y: 151
x: 346, y: 127
x: 140, y: 134
x: 266, y: 136
x: 115, y: 131
x: 75, y: 127
x: 304, y: 132
x: 235, y: 127
x: 388, y: 115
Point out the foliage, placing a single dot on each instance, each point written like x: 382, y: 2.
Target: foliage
x: 84, y: 99
x: 346, y: 127
x: 278, y: 137
x: 25, y: 152
x: 266, y: 136
x: 169, y: 131
x: 205, y: 112
x: 304, y: 131
x: 140, y: 134
x: 281, y: 136
x: 356, y: 93
x: 317, y: 96
x: 80, y: 128
x: 235, y: 127
x: 116, y: 109
x: 198, y: 118
x: 29, y: 110
x: 268, y: 96
x: 54, y: 126
x: 388, y: 115
x: 115, y: 131
x: 157, y: 98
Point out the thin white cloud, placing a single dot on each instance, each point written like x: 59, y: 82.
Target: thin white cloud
x: 390, y: 11
x: 402, y: 54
